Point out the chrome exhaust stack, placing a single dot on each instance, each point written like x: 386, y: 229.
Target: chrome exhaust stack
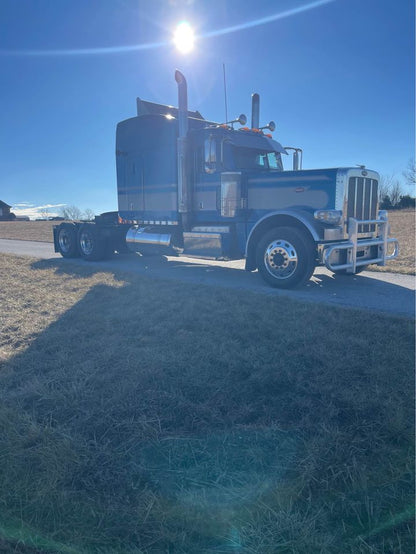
x: 255, y: 111
x: 183, y: 196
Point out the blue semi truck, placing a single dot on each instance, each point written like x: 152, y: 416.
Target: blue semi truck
x: 190, y: 186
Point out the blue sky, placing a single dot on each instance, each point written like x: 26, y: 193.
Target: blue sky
x: 337, y: 77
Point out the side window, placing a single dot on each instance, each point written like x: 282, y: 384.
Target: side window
x: 210, y: 149
x: 273, y: 160
x: 261, y: 160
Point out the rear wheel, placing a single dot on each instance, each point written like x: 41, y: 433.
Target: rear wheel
x: 92, y: 245
x: 67, y: 240
x: 285, y: 257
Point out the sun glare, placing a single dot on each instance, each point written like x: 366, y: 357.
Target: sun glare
x: 184, y: 37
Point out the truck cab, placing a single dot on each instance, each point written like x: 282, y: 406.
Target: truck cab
x: 190, y: 186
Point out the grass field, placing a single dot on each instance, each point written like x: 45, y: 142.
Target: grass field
x: 402, y: 227
x: 28, y: 230
x: 150, y: 417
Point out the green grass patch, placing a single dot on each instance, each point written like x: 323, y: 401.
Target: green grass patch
x: 142, y: 416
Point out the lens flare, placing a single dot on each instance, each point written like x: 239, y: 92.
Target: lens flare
x: 184, y: 38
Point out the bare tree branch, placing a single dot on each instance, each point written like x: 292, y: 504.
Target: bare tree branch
x: 71, y: 212
x: 410, y: 173
x: 88, y: 215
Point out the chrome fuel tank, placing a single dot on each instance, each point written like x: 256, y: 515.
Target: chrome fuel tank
x: 137, y: 237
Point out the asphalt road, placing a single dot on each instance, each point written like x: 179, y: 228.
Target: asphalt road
x: 381, y: 292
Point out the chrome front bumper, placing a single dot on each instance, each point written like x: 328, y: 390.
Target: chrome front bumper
x: 360, y: 252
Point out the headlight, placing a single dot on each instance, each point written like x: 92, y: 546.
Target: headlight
x: 333, y: 217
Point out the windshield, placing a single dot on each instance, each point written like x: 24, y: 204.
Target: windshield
x: 247, y: 158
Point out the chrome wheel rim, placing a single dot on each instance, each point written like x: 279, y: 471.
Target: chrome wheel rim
x: 281, y: 259
x: 86, y: 243
x: 64, y: 240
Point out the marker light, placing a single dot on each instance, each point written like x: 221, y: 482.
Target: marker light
x: 333, y: 217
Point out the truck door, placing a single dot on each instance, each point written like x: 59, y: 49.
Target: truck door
x: 220, y: 191
x: 233, y: 185
x: 231, y: 194
x: 207, y: 181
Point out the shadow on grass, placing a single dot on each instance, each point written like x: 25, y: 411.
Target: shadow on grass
x: 159, y: 417
x: 362, y: 291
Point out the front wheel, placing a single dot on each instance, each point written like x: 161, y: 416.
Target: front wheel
x: 285, y: 257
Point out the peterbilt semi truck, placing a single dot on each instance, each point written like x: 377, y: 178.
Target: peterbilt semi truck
x: 189, y: 186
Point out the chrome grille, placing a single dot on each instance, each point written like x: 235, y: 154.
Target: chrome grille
x: 362, y: 201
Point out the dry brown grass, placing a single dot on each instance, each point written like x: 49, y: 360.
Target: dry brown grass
x: 402, y: 224
x: 29, y: 309
x: 144, y: 417
x: 27, y: 230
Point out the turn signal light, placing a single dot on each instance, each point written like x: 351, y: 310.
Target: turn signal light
x: 333, y: 217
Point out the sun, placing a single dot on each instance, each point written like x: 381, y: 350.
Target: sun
x: 184, y: 37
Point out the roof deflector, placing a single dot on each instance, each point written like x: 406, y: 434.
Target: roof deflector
x: 151, y: 108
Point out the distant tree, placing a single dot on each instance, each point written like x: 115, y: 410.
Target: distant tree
x: 407, y: 201
x: 410, y: 173
x: 71, y: 212
x: 384, y: 186
x: 88, y: 215
x: 385, y: 203
x: 395, y: 193
x: 389, y: 191
x: 44, y: 212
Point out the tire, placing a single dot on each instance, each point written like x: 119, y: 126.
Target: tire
x: 67, y: 240
x: 285, y: 257
x: 357, y: 270
x: 92, y: 246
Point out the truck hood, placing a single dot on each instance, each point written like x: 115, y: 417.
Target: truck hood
x: 305, y: 189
